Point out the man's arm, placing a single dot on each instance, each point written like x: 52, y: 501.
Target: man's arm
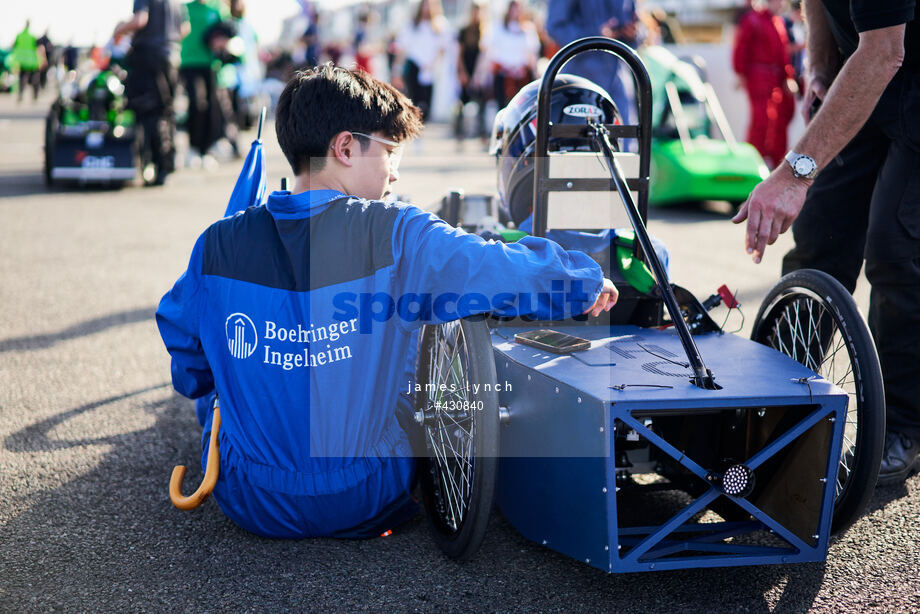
x: 777, y: 201
x: 137, y: 22
x: 183, y: 27
x: 823, y: 56
x: 854, y: 93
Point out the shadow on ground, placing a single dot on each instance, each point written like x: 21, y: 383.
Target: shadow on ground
x: 81, y: 329
x: 110, y: 540
x: 22, y: 184
x: 28, y: 183
x: 37, y: 110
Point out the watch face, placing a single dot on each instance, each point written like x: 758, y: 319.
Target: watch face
x: 804, y: 166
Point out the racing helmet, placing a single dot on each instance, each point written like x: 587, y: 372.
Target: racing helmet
x: 101, y: 92
x: 514, y: 133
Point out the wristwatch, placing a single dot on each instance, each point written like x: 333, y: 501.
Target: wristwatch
x: 802, y: 166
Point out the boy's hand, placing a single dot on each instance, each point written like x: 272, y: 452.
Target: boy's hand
x: 605, y: 300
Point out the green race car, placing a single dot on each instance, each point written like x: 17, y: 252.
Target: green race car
x: 688, y: 164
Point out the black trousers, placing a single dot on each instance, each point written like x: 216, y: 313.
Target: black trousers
x: 865, y: 206
x: 204, y: 112
x: 31, y: 78
x: 471, y: 93
x: 419, y: 94
x: 151, y: 89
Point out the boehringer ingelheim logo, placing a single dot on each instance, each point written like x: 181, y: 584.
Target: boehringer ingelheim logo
x: 242, y: 338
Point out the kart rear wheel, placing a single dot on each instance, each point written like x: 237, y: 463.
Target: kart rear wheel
x: 457, y: 408
x: 811, y: 318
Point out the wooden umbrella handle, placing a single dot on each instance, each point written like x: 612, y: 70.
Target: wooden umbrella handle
x: 212, y: 470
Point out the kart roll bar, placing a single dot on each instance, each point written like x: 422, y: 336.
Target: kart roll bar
x: 601, y: 133
x: 643, y: 131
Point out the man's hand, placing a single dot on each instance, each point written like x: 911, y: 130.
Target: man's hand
x: 609, y: 28
x: 816, y: 87
x: 605, y: 300
x: 771, y: 208
x: 629, y: 30
x: 613, y: 29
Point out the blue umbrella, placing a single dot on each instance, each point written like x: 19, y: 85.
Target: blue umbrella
x: 250, y: 190
x: 251, y: 185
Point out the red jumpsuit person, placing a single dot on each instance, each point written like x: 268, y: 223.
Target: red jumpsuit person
x: 761, y: 58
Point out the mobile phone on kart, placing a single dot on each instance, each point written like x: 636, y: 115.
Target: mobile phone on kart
x: 552, y: 341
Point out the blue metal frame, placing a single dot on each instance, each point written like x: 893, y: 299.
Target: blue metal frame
x: 643, y: 555
x: 558, y: 474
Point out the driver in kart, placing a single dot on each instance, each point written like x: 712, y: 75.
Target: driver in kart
x: 301, y: 315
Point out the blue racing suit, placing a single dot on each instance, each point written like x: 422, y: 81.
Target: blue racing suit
x: 301, y: 314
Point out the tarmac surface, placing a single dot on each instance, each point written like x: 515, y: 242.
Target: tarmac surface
x: 90, y: 430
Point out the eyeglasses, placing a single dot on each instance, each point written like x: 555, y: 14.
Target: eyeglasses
x: 380, y: 140
x: 395, y: 151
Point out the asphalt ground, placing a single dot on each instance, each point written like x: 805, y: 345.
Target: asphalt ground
x: 90, y: 430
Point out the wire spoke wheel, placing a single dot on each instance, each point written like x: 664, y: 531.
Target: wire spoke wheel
x: 811, y: 318
x: 457, y: 410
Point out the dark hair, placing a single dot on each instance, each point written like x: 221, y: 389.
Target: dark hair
x: 319, y: 103
x: 435, y: 12
x: 520, y: 17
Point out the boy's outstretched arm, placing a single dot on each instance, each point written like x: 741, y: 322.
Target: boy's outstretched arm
x: 533, y: 276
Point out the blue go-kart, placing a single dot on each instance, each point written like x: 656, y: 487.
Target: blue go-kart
x: 664, y: 443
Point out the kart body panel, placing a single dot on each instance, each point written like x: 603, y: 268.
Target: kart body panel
x: 575, y: 420
x: 85, y: 154
x: 709, y: 170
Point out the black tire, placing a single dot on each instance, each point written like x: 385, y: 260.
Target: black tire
x: 833, y: 324
x: 51, y: 126
x: 459, y: 464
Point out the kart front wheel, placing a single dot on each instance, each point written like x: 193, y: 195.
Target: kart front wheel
x: 811, y: 318
x: 457, y: 410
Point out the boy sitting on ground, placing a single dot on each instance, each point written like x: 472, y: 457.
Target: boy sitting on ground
x: 301, y: 315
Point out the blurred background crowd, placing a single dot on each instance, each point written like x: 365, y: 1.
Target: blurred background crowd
x: 207, y: 67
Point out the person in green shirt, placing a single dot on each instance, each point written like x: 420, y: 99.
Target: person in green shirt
x: 199, y: 77
x: 29, y: 58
